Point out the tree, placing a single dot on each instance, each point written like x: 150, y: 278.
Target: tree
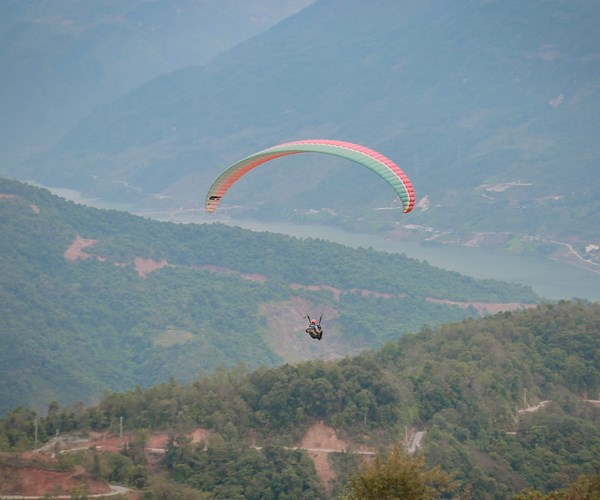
x: 399, y: 476
x: 583, y: 488
x: 96, y: 469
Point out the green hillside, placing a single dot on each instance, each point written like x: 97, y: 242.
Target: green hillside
x: 462, y: 384
x: 95, y: 299
x: 491, y: 107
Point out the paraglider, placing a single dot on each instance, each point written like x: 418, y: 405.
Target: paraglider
x: 314, y: 329
x: 382, y: 166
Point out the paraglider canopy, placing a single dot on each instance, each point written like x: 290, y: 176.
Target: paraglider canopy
x: 381, y: 165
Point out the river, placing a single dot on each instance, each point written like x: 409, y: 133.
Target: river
x: 551, y: 279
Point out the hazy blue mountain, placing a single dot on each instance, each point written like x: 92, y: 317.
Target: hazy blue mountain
x: 95, y: 299
x: 492, y: 107
x: 61, y: 58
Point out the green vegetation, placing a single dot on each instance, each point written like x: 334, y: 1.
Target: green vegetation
x: 583, y: 488
x: 462, y: 383
x: 72, y: 329
x: 232, y: 470
x: 398, y: 476
x: 493, y: 116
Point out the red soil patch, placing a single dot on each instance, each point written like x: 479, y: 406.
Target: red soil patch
x: 378, y: 295
x: 323, y: 467
x: 322, y: 437
x: 23, y: 476
x: 36, y: 482
x: 261, y: 278
x: 157, y: 440
x: 6, y: 196
x: 319, y: 441
x: 199, y: 435
x: 145, y: 266
x: 336, y: 292
x: 481, y: 307
x: 254, y: 277
x: 484, y: 307
x: 76, y: 249
x: 105, y: 441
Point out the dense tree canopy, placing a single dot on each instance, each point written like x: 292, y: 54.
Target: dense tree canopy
x: 398, y: 476
x: 462, y: 383
x: 95, y: 323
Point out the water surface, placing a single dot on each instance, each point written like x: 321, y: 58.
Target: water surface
x: 551, y: 279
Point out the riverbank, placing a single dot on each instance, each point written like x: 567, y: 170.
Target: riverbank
x: 551, y: 279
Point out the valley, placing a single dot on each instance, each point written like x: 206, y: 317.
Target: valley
x: 429, y: 193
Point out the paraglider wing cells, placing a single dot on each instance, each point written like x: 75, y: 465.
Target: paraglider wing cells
x: 381, y: 165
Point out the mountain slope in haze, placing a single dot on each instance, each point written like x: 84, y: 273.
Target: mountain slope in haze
x: 460, y: 385
x: 60, y: 59
x: 95, y: 299
x: 490, y: 107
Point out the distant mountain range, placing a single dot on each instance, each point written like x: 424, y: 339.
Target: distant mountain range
x: 492, y: 108
x: 61, y: 59
x: 95, y: 299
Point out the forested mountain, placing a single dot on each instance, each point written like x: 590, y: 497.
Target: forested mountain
x: 60, y: 59
x: 97, y: 299
x: 491, y: 107
x: 463, y: 384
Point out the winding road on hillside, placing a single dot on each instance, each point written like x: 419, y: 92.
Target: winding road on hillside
x: 116, y: 490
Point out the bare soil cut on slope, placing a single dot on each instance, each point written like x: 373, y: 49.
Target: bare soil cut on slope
x: 33, y: 475
x: 319, y: 441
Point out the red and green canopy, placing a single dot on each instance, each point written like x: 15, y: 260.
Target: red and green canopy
x: 382, y: 166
